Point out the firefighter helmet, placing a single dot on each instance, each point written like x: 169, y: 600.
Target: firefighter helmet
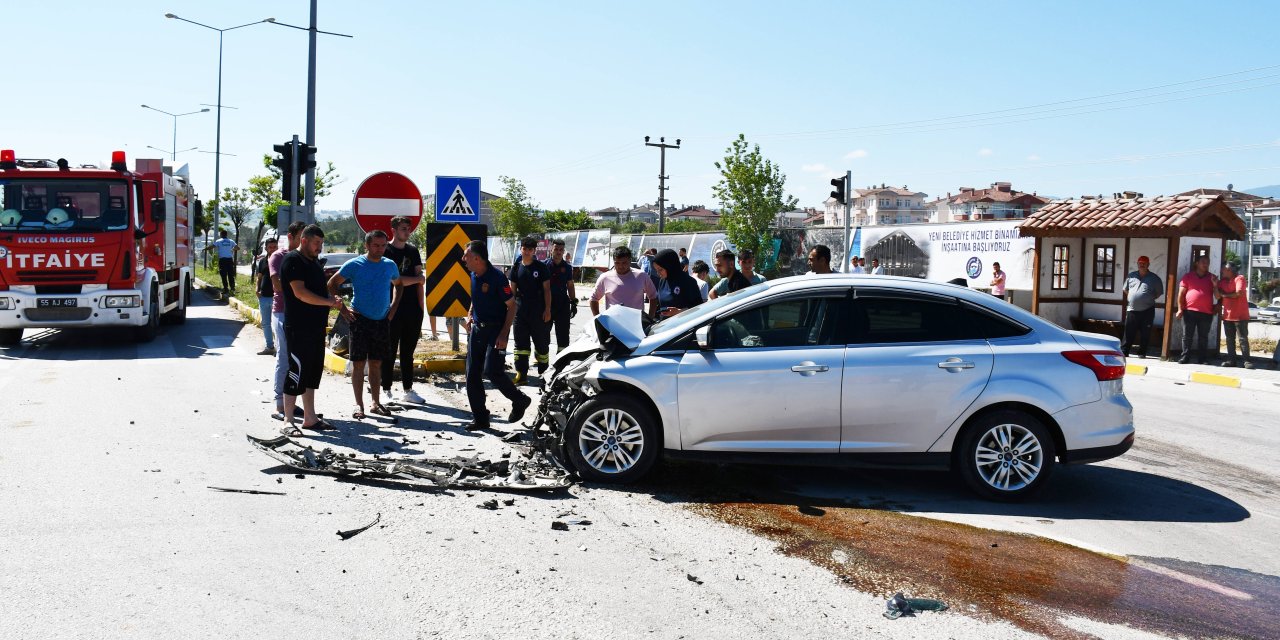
x: 57, y: 215
x: 10, y: 218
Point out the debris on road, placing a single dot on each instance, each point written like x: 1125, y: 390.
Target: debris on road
x: 534, y: 473
x: 252, y: 491
x: 354, y: 532
x: 556, y: 525
x: 692, y: 578
x: 491, y: 505
x: 900, y: 605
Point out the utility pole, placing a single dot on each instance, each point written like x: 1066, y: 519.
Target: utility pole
x: 662, y: 145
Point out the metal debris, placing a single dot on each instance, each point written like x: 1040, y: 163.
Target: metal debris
x: 900, y: 605
x: 491, y: 505
x: 534, y: 473
x: 354, y: 532
x: 692, y: 578
x: 556, y: 525
x: 252, y: 491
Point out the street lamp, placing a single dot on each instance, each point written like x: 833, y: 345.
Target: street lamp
x: 311, y: 102
x: 174, y: 154
x: 217, y: 161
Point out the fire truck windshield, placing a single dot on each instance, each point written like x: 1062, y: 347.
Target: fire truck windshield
x: 63, y: 206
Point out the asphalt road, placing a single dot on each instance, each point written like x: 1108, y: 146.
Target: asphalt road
x: 107, y: 449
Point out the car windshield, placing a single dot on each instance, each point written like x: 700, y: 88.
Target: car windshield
x: 63, y: 206
x: 708, y: 308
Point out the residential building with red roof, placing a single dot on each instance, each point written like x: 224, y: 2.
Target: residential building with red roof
x: 998, y: 202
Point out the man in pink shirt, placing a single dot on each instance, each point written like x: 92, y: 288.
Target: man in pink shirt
x: 997, y: 280
x: 1235, y: 313
x: 1197, y: 294
x: 274, y: 261
x: 625, y: 287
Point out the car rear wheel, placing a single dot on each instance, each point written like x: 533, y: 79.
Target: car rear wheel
x: 612, y: 438
x: 1006, y: 455
x: 10, y: 337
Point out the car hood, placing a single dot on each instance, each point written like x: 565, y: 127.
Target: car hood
x: 622, y: 325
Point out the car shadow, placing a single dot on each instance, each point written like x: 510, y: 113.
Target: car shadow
x: 1088, y: 492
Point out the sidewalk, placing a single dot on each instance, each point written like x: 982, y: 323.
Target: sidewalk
x: 1259, y: 379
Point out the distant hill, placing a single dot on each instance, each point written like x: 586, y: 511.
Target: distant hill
x: 1272, y: 191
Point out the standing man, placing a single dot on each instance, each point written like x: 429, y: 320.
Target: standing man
x: 700, y: 271
x: 266, y: 293
x: 492, y: 310
x: 856, y: 266
x: 623, y: 286
x: 407, y: 312
x: 564, y: 298
x: 1233, y: 290
x: 1141, y: 290
x: 373, y: 279
x: 274, y: 263
x: 876, y: 269
x: 228, y: 251
x: 306, y: 318
x: 731, y: 279
x: 1197, y: 293
x: 684, y: 259
x: 531, y: 281
x: 747, y: 265
x: 819, y: 260
x: 997, y: 281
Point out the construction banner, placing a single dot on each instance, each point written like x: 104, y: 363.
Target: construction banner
x: 448, y: 282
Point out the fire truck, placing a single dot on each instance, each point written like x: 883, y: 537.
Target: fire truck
x: 92, y: 247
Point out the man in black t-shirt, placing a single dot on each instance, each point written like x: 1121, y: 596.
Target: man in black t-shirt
x: 266, y: 292
x: 407, y: 315
x: 564, y: 299
x: 306, y: 318
x: 531, y: 280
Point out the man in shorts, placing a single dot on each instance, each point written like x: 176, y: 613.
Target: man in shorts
x: 373, y: 279
x: 306, y: 319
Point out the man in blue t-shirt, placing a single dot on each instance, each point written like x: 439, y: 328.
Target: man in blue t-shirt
x: 227, y: 250
x: 372, y: 277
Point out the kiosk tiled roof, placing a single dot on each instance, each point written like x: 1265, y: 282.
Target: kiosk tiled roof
x: 1160, y: 217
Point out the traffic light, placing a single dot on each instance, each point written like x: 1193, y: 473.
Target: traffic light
x: 285, y: 164
x: 841, y: 192
x: 306, y: 158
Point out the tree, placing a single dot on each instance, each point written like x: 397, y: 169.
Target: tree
x: 634, y: 227
x: 234, y: 204
x: 689, y: 226
x: 751, y: 192
x: 562, y: 220
x: 513, y: 213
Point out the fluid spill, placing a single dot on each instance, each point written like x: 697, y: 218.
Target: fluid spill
x: 1030, y: 581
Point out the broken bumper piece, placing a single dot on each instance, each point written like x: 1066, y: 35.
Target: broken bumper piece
x: 533, y: 474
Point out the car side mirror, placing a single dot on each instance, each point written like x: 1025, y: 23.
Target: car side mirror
x: 157, y: 210
x: 703, y: 337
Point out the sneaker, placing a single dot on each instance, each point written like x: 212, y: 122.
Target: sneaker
x: 1247, y: 364
x: 1228, y: 363
x: 1184, y: 360
x: 477, y: 425
x: 518, y: 407
x: 412, y: 396
x: 269, y: 351
x: 390, y: 396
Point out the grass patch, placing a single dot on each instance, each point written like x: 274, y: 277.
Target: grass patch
x: 244, y: 290
x: 1256, y: 345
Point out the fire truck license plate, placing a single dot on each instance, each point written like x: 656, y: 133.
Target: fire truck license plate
x: 55, y: 302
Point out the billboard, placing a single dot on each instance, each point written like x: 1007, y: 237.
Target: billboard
x: 950, y: 250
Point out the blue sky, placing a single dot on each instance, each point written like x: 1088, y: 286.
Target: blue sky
x: 561, y: 94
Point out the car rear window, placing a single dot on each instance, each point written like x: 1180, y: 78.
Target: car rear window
x: 991, y: 326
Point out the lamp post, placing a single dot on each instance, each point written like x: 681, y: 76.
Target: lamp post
x: 174, y: 154
x: 217, y: 161
x: 310, y: 187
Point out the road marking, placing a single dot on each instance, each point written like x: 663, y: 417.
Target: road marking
x: 1191, y: 580
x: 1135, y: 369
x: 1213, y: 378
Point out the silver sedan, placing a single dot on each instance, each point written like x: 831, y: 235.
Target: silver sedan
x: 842, y: 370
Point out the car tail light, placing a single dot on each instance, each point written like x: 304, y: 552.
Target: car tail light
x: 1106, y: 365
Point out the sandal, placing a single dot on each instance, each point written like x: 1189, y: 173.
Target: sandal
x: 291, y: 431
x: 380, y: 410
x: 357, y: 414
x: 320, y: 425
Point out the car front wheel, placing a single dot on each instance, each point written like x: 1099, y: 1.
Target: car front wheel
x: 612, y: 438
x: 1006, y: 455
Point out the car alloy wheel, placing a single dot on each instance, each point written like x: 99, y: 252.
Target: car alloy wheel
x: 1006, y: 455
x: 612, y: 438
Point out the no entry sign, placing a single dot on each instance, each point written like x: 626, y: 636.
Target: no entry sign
x: 383, y: 196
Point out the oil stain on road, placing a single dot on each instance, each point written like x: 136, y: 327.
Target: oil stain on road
x: 1030, y: 581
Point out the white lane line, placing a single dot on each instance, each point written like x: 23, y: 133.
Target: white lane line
x: 1191, y: 580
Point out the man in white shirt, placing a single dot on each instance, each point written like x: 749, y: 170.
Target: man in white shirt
x: 876, y: 269
x: 227, y: 250
x: 855, y: 266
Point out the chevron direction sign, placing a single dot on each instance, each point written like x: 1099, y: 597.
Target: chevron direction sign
x: 448, y: 282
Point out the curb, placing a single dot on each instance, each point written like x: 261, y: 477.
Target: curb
x: 1232, y: 382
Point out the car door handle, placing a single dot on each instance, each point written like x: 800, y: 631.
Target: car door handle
x: 955, y: 363
x: 808, y: 368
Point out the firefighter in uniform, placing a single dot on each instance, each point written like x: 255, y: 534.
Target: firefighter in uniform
x: 564, y: 299
x: 488, y: 321
x: 531, y: 280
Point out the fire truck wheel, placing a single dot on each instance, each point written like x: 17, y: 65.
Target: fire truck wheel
x: 179, y: 315
x: 148, y: 331
x: 10, y: 337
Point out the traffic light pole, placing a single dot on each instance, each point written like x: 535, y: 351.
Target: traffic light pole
x: 848, y: 208
x: 293, y: 183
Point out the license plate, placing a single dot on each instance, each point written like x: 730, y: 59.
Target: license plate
x: 45, y: 303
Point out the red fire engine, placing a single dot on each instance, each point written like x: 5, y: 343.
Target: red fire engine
x: 92, y: 247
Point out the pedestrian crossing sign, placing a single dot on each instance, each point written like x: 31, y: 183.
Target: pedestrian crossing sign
x: 457, y: 199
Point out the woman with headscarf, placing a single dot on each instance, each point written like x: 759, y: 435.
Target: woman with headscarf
x: 677, y: 290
